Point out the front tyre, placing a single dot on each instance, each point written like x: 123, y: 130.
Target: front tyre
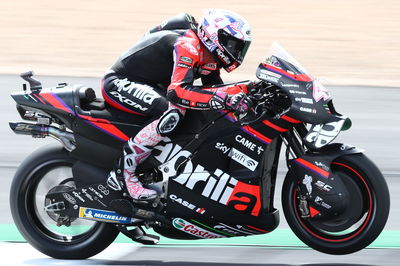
x: 46, y: 168
x: 360, y: 172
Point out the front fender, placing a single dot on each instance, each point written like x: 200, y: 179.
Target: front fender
x: 319, y: 162
x: 324, y: 191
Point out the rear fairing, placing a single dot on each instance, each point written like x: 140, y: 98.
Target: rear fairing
x: 109, y: 126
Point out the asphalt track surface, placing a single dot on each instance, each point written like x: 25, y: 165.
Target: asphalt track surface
x: 376, y: 128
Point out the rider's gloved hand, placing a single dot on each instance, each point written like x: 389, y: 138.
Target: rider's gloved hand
x: 238, y: 103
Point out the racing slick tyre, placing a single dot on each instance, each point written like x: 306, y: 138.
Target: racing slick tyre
x: 330, y: 236
x: 43, y: 170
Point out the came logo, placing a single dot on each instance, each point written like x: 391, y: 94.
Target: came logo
x: 194, y: 230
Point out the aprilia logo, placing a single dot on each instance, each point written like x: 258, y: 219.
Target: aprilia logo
x: 223, y: 56
x: 142, y: 92
x: 217, y: 186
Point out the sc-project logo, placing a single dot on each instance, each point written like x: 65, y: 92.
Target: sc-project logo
x: 194, y: 230
x: 102, y: 215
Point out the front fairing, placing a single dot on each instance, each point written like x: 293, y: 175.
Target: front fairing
x: 310, y: 100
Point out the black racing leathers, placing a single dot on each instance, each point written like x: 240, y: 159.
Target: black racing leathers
x: 163, y: 65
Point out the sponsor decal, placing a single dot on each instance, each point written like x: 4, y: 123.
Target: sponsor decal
x: 210, y: 66
x: 222, y: 147
x: 87, y: 195
x: 322, y: 186
x: 289, y: 85
x: 307, y: 181
x: 222, y: 56
x: 78, y: 196
x: 127, y: 101
x: 230, y: 230
x: 102, y: 215
x: 185, y: 59
x: 304, y: 100
x: 96, y: 192
x: 270, y: 73
x: 141, y: 92
x: 217, y: 186
x: 243, y: 159
x: 298, y: 92
x: 308, y: 110
x: 201, y: 105
x: 186, y: 204
x: 103, y: 190
x: 232, y: 67
x: 185, y: 102
x: 69, y: 198
x: 268, y: 78
x: 194, y: 230
x: 320, y: 201
x: 322, y: 165
x: 248, y: 144
x: 184, y: 65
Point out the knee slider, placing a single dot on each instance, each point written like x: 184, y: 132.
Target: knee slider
x: 168, y: 122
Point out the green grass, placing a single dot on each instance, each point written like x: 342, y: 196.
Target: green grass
x: 277, y: 238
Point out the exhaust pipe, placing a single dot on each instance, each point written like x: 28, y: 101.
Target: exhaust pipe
x: 40, y: 131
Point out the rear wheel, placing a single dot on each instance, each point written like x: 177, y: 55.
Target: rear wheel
x: 367, y: 216
x: 47, y: 169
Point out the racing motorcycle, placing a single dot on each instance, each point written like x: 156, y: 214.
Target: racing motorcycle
x: 215, y: 175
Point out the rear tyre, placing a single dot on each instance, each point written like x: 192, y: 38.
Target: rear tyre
x: 369, y: 182
x: 48, y: 167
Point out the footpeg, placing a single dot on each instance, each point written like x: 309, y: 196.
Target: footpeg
x: 139, y: 235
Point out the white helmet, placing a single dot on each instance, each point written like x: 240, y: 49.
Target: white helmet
x: 226, y: 35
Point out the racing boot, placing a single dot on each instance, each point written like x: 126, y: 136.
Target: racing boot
x: 134, y: 154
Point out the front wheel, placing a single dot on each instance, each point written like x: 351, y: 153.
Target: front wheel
x: 358, y: 171
x: 45, y: 169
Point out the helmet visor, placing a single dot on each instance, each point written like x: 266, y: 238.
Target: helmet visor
x: 237, y: 48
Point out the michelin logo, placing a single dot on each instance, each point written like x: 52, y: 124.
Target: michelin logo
x: 102, y: 215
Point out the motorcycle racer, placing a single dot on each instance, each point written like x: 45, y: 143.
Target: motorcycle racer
x: 155, y: 77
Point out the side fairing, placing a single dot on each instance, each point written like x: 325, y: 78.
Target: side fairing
x: 221, y: 181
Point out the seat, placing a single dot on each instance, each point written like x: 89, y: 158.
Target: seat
x: 89, y: 101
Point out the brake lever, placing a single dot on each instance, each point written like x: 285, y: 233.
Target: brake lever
x: 245, y: 123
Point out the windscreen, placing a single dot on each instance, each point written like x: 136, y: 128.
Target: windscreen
x: 280, y: 58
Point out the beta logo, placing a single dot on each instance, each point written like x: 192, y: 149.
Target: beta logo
x: 194, y: 230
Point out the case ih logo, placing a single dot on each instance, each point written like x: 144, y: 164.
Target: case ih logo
x: 194, y: 230
x: 217, y: 186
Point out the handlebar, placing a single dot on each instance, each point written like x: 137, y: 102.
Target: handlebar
x: 264, y: 96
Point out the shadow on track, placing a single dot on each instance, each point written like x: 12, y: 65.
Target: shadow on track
x: 54, y: 262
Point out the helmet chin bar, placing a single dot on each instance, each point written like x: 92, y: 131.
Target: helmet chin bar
x: 226, y: 35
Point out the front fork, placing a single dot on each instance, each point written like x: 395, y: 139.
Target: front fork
x: 321, y: 191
